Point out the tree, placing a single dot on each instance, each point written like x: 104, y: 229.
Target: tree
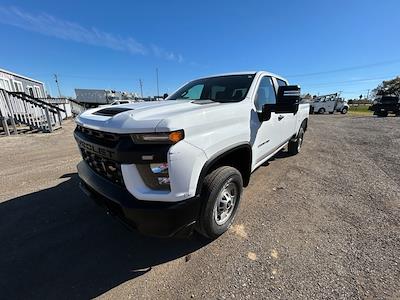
x: 388, y: 87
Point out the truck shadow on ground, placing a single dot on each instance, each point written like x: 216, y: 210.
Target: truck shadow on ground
x: 56, y: 243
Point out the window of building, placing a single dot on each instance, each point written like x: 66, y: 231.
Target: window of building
x: 18, y: 86
x: 30, y: 91
x: 38, y: 92
x: 5, y: 84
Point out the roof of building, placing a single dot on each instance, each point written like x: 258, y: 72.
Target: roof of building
x: 24, y: 77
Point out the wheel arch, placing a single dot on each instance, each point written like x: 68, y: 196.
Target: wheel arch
x: 238, y: 156
x: 304, y: 124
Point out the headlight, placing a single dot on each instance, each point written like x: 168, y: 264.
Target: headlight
x: 158, y: 137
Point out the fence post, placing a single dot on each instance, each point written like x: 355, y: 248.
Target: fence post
x: 59, y: 116
x: 65, y: 108
x: 50, y: 127
x: 11, y: 112
x: 4, y: 124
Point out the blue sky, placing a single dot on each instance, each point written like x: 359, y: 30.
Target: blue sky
x: 325, y: 46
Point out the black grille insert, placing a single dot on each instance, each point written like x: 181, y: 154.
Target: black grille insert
x: 101, y: 137
x: 109, y: 169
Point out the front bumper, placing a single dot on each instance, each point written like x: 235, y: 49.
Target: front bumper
x: 118, y: 153
x: 156, y: 218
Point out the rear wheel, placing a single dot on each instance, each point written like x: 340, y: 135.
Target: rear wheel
x: 222, y: 192
x: 321, y: 110
x: 294, y: 146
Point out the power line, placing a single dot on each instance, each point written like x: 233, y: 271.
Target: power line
x: 346, y: 69
x: 349, y: 81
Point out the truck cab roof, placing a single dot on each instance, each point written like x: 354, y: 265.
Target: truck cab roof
x: 260, y: 72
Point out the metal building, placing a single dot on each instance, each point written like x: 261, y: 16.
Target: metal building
x: 13, y: 82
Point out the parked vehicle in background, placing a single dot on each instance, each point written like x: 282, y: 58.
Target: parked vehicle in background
x: 384, y: 105
x: 329, y: 103
x: 342, y: 106
x: 118, y: 102
x: 167, y: 167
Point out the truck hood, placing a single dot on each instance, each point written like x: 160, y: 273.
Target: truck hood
x: 145, y: 116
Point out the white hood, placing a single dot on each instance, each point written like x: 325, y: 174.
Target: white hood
x: 146, y: 116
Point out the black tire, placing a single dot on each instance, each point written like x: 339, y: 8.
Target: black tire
x: 382, y: 114
x: 294, y: 146
x: 214, y: 185
x: 331, y: 112
x: 321, y: 110
x: 344, y: 111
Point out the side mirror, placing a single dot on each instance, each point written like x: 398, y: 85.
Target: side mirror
x: 165, y: 96
x: 288, y: 99
x: 266, y: 112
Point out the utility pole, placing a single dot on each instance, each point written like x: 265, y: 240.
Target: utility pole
x: 158, y: 91
x: 141, y: 87
x: 368, y: 95
x: 58, y: 85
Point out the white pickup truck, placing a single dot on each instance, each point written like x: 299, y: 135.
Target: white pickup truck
x: 168, y: 167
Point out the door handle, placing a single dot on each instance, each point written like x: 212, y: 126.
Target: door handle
x: 280, y: 117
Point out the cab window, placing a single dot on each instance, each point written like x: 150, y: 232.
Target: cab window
x: 265, y: 93
x: 281, y: 82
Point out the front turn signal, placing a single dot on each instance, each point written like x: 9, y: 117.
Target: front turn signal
x: 176, y: 136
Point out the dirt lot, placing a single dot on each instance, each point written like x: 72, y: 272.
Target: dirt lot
x: 322, y: 224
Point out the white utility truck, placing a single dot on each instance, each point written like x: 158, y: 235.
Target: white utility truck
x: 168, y: 167
x: 329, y: 103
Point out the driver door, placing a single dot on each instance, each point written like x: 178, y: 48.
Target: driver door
x: 264, y: 134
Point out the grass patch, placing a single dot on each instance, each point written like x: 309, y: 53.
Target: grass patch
x: 361, y: 109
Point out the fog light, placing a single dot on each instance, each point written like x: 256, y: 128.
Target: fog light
x: 163, y: 180
x: 159, y: 168
x: 155, y: 175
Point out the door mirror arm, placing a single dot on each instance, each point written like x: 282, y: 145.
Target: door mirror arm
x: 265, y: 114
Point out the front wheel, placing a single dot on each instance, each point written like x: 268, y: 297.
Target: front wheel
x: 321, y: 110
x: 294, y: 146
x: 344, y: 111
x: 222, y: 192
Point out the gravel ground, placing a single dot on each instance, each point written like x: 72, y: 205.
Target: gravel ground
x: 324, y: 224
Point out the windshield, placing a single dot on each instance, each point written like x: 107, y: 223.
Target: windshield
x: 232, y: 88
